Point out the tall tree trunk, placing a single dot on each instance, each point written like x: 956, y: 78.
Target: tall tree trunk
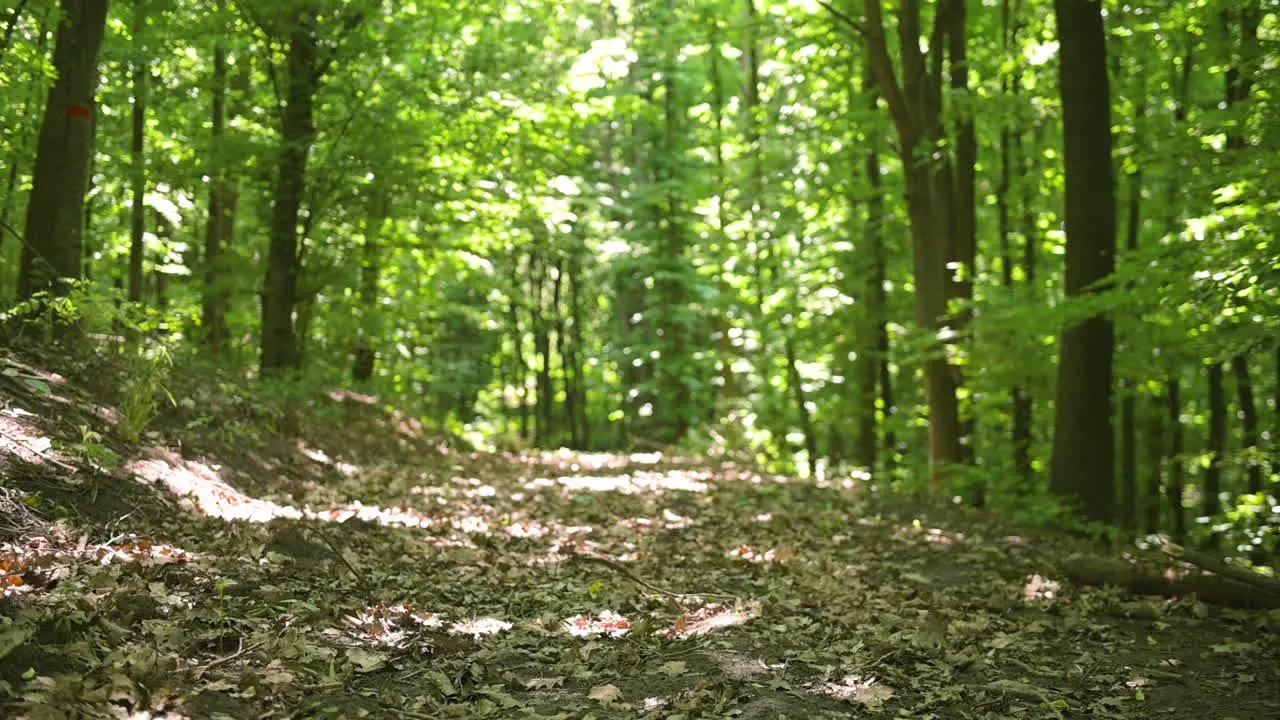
x: 297, y: 132
x: 520, y: 377
x: 140, y: 69
x: 223, y: 199
x: 916, y: 108
x: 871, y: 295
x: 1248, y: 422
x: 1215, y: 445
x: 52, y: 238
x: 1083, y: 443
x: 1155, y: 467
x: 579, y: 422
x: 365, y: 357
x: 1129, y: 386
x: 1177, y: 469
x: 802, y: 408
x: 963, y: 245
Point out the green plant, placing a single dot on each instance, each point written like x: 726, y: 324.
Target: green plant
x: 144, y: 374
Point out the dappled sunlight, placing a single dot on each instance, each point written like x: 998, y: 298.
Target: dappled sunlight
x: 21, y: 438
x: 669, y: 521
x: 201, y: 488
x: 1039, y: 588
x: 399, y: 625
x: 710, y: 618
x: 42, y: 560
x: 855, y: 688
x: 632, y: 484
x: 750, y: 554
x: 607, y: 623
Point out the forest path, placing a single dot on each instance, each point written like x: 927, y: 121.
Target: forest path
x: 431, y: 583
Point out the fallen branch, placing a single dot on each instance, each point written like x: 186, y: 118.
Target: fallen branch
x: 1169, y: 582
x: 1218, y: 567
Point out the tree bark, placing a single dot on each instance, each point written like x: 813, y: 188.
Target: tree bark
x: 1248, y: 422
x: 139, y: 71
x: 1177, y: 470
x: 53, y: 235
x: 916, y: 110
x: 365, y: 357
x: 1215, y: 445
x: 297, y: 132
x: 1083, y: 468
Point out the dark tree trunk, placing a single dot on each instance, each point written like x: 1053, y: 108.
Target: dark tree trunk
x: 576, y: 397
x: 543, y: 415
x: 1023, y: 404
x: 1155, y: 467
x: 53, y: 236
x: 916, y: 108
x: 138, y: 211
x: 297, y: 132
x: 1084, y: 445
x: 871, y: 317
x: 1177, y: 470
x: 520, y: 376
x: 1129, y: 401
x: 223, y: 198
x: 1216, y: 444
x: 963, y: 247
x: 365, y: 357
x: 1248, y: 422
x: 802, y: 408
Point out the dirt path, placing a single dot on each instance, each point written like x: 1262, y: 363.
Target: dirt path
x: 571, y: 586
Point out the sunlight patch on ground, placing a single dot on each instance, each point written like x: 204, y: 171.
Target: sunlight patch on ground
x: 633, y: 484
x: 19, y: 437
x: 1039, y: 588
x: 669, y: 521
x: 854, y: 688
x: 40, y: 560
x: 709, y: 618
x: 606, y: 623
x: 200, y: 488
x: 750, y: 554
x: 400, y: 624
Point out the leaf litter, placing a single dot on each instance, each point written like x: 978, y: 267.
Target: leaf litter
x: 381, y: 572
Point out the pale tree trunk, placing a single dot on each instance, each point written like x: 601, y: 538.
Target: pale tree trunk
x: 53, y: 236
x: 1083, y: 466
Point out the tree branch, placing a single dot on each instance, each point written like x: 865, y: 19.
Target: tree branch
x: 852, y: 24
x: 882, y: 69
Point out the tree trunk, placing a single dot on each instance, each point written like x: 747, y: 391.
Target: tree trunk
x: 223, y: 198
x: 138, y: 212
x: 297, y: 132
x: 1155, y: 467
x: 802, y: 407
x: 871, y: 297
x: 53, y: 236
x: 1083, y: 467
x: 520, y: 376
x: 1129, y: 391
x: 963, y: 244
x: 365, y: 357
x: 1248, y: 422
x: 1215, y: 445
x: 1177, y: 471
x: 916, y: 108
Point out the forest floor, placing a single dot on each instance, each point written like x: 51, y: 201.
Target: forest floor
x: 363, y: 566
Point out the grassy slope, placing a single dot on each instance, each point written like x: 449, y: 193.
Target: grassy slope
x: 858, y: 609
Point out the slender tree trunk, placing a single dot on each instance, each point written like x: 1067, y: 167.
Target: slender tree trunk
x: 1084, y: 445
x: 1177, y: 470
x: 53, y: 236
x: 140, y: 69
x: 579, y: 420
x: 1248, y: 422
x: 964, y: 231
x: 1216, y: 444
x: 871, y: 316
x: 1129, y: 387
x: 365, y: 357
x: 521, y: 374
x: 802, y: 408
x: 223, y: 199
x: 279, y: 342
x: 916, y: 108
x: 1155, y: 467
